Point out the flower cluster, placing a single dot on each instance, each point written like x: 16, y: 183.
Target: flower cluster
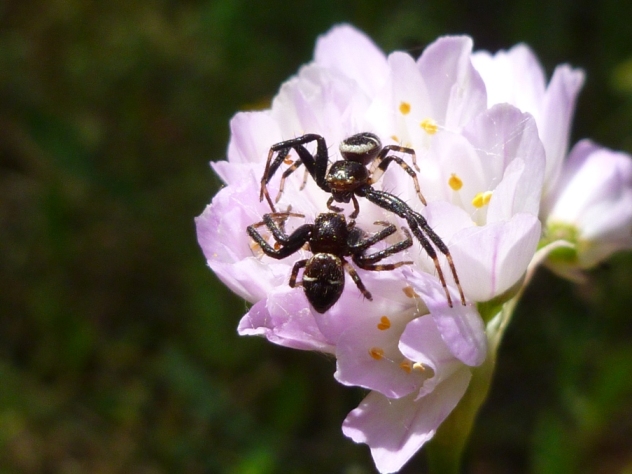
x: 490, y: 138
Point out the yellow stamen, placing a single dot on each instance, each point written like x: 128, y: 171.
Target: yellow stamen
x: 384, y: 323
x: 406, y: 366
x: 404, y: 108
x: 430, y: 126
x: 408, y: 291
x: 455, y: 182
x: 424, y: 369
x: 376, y: 353
x: 481, y: 199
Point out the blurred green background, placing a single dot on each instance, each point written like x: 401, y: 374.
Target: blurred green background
x: 118, y: 348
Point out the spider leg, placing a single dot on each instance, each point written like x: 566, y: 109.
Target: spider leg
x: 297, y: 266
x: 382, y: 161
x: 305, y: 176
x: 443, y: 248
x: 418, y: 225
x: 316, y: 165
x: 402, y: 149
x: 367, y: 262
x: 358, y: 242
x: 331, y: 207
x: 289, y: 243
x: 287, y: 173
x: 356, y: 207
x: 270, y: 169
x: 356, y: 279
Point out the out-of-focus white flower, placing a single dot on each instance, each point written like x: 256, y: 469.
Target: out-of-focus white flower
x: 591, y: 207
x: 586, y: 196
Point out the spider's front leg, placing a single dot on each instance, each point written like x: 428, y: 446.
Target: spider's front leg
x: 421, y: 230
x: 289, y: 244
x: 270, y: 169
x: 316, y: 165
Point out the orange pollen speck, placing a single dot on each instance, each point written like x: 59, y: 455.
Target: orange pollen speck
x: 429, y: 125
x: 376, y: 353
x: 384, y: 323
x: 404, y: 108
x: 406, y: 366
x: 455, y: 182
x: 288, y: 160
x: 408, y: 291
x: 481, y: 199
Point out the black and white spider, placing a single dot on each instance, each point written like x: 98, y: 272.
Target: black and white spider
x: 330, y: 239
x: 364, y: 161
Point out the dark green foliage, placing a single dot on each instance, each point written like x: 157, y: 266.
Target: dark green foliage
x: 118, y: 348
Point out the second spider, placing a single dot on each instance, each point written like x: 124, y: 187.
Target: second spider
x: 330, y: 239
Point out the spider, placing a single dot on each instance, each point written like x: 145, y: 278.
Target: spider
x: 364, y: 161
x: 330, y: 239
x: 345, y: 178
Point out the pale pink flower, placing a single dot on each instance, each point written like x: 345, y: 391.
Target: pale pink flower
x: 482, y: 172
x: 586, y: 197
x: 591, y: 206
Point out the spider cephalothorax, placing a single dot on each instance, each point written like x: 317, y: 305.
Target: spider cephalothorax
x: 330, y: 239
x: 364, y: 161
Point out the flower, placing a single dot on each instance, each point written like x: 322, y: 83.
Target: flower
x: 482, y: 170
x: 516, y: 77
x: 591, y: 207
x: 586, y: 197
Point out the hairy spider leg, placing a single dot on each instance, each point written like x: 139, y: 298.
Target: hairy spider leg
x: 277, y: 220
x: 315, y: 165
x: 379, y: 166
x: 356, y: 279
x: 287, y: 173
x: 359, y: 242
x: 354, y: 200
x: 369, y: 262
x: 270, y: 169
x: 418, y: 226
x: 284, y: 176
x: 295, y: 269
x: 290, y: 243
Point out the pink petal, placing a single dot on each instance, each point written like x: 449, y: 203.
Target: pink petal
x: 358, y: 363
x: 503, y: 134
x: 351, y: 53
x: 456, y: 89
x: 557, y: 116
x: 461, y: 327
x: 395, y: 429
x: 493, y: 258
x: 286, y: 320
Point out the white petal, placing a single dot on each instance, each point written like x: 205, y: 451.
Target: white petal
x: 491, y: 259
x: 395, y: 429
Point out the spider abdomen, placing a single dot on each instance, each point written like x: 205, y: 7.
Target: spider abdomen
x: 323, y: 281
